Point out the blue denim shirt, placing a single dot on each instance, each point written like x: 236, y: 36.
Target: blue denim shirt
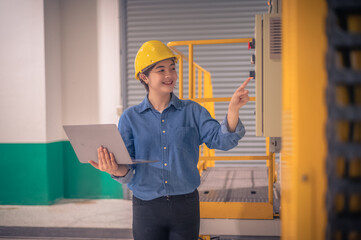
x: 173, y: 138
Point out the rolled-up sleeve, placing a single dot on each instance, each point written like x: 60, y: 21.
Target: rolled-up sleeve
x: 216, y: 135
x: 240, y: 130
x: 125, y: 131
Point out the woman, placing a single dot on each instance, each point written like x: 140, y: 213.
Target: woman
x: 164, y: 128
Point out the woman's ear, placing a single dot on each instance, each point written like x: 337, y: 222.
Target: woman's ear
x: 143, y: 77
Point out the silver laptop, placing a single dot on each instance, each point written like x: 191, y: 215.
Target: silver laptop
x: 86, y: 139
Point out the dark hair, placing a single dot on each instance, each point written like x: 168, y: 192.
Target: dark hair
x: 146, y: 73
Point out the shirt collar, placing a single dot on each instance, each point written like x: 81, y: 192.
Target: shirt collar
x: 174, y: 100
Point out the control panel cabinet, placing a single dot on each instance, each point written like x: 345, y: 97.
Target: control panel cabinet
x: 268, y: 75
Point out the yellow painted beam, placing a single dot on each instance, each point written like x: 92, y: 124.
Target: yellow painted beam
x: 236, y: 210
x: 225, y: 99
x: 219, y: 158
x: 304, y: 116
x: 212, y: 41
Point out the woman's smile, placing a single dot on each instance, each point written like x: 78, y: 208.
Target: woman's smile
x: 168, y: 83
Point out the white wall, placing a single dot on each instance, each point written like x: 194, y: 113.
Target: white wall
x: 53, y: 71
x: 79, y: 61
x: 109, y: 60
x: 22, y: 71
x: 57, y: 67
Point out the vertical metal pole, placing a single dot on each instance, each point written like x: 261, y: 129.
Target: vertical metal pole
x: 123, y: 51
x: 271, y: 178
x: 123, y: 67
x: 194, y: 81
x: 180, y: 77
x: 271, y: 159
x: 200, y: 83
x: 190, y: 70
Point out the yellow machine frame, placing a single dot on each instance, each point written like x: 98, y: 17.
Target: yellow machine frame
x: 304, y: 118
x: 234, y: 210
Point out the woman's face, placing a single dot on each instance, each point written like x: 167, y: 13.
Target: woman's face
x: 162, y: 78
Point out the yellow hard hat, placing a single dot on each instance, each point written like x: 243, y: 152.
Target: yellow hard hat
x: 149, y: 53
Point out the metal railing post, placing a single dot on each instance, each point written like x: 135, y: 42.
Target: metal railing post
x: 180, y: 77
x: 271, y: 158
x: 200, y: 92
x: 190, y: 71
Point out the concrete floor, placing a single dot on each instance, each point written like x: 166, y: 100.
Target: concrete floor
x: 102, y: 213
x: 68, y: 219
x: 75, y: 219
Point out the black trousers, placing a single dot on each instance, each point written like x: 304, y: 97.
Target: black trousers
x: 167, y: 218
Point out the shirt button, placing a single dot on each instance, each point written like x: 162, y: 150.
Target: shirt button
x: 163, y: 131
x: 165, y: 148
x: 165, y: 164
x: 166, y: 181
x: 162, y: 120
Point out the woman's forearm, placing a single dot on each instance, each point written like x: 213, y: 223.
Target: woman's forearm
x: 232, y: 119
x: 238, y: 100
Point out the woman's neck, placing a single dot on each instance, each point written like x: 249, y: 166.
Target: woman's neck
x: 159, y: 102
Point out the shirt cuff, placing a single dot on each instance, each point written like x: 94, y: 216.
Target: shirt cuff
x: 240, y: 130
x: 126, y: 178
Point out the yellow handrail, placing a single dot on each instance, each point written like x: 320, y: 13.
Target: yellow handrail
x: 180, y: 61
x: 224, y: 99
x: 236, y: 158
x: 210, y: 41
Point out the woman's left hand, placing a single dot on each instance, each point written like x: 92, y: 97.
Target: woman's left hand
x: 240, y: 97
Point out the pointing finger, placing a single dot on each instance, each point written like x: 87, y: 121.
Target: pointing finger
x: 244, y: 85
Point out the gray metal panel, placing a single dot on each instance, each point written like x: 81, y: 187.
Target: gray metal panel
x: 172, y: 20
x: 234, y: 184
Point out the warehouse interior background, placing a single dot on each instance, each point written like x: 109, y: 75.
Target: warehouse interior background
x: 71, y: 62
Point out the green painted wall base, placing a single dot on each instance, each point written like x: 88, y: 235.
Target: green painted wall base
x: 84, y: 180
x: 43, y: 173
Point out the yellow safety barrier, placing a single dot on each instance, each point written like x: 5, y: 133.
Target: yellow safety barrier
x: 203, y: 94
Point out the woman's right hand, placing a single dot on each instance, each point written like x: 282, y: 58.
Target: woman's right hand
x: 106, y: 163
